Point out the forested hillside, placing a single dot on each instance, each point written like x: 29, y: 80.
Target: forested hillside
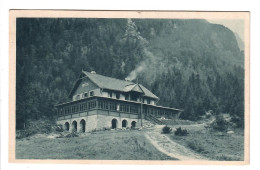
x: 188, y: 64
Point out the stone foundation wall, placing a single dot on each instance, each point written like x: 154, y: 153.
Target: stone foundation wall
x: 98, y: 120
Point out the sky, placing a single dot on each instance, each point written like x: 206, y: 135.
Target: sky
x: 236, y: 26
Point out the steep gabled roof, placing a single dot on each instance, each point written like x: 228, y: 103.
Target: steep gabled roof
x: 110, y: 83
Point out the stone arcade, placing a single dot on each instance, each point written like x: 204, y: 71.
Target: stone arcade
x: 98, y: 102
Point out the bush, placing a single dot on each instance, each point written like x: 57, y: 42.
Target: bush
x: 196, y: 147
x: 238, y: 121
x: 59, y: 128
x: 25, y: 133
x: 220, y: 124
x: 106, y: 128
x: 43, y: 125
x: 166, y: 129
x: 181, y: 132
x: 73, y: 134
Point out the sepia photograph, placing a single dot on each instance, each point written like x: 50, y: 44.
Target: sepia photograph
x: 129, y: 86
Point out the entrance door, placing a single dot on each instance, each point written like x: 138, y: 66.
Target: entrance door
x: 74, y: 125
x: 133, y: 124
x: 82, y: 125
x: 114, y: 124
x: 67, y: 126
x: 124, y: 123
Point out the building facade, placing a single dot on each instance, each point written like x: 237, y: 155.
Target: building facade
x: 98, y: 102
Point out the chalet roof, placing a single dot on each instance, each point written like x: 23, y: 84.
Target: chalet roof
x: 110, y: 83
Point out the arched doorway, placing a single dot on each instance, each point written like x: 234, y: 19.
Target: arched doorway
x: 133, y: 124
x: 114, y: 124
x: 82, y: 125
x: 67, y: 126
x: 74, y: 126
x: 124, y: 124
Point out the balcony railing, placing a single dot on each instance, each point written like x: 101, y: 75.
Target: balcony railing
x: 111, y: 105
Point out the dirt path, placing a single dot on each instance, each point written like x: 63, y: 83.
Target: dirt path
x: 169, y: 147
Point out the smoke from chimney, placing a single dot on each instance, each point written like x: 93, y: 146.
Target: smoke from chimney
x: 141, y: 67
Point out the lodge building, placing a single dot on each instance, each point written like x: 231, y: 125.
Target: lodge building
x: 98, y: 102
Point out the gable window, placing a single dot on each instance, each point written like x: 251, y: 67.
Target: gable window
x: 86, y: 95
x: 91, y: 93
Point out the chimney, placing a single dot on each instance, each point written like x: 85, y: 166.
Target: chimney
x: 93, y: 72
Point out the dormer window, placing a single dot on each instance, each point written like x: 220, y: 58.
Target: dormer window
x: 148, y: 101
x: 118, y: 95
x: 110, y: 94
x: 127, y: 97
x: 85, y: 95
x: 91, y: 93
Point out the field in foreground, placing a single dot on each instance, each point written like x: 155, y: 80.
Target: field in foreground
x: 212, y: 144
x: 134, y: 145
x: 106, y: 145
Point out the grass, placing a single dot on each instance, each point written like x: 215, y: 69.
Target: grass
x: 212, y: 144
x: 103, y: 145
x: 132, y: 145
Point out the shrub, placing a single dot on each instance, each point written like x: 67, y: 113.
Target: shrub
x: 181, y: 132
x: 224, y: 158
x: 59, y: 128
x: 166, y: 129
x: 196, y: 147
x: 106, y: 128
x: 238, y: 121
x: 94, y: 130
x: 73, y: 134
x: 220, y: 124
x: 25, y: 133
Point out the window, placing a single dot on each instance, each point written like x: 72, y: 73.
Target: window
x: 80, y: 107
x: 85, y: 106
x: 122, y: 108
x: 92, y: 104
x: 148, y: 101
x: 86, y: 95
x: 91, y: 93
x: 118, y: 95
x: 110, y: 94
x: 112, y: 106
x: 133, y: 109
x: 106, y: 105
x: 127, y: 108
x: 60, y: 112
x: 127, y: 97
x: 99, y: 104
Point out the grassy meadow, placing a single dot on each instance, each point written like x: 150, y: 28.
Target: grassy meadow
x: 133, y: 144
x: 103, y: 145
x: 212, y: 144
